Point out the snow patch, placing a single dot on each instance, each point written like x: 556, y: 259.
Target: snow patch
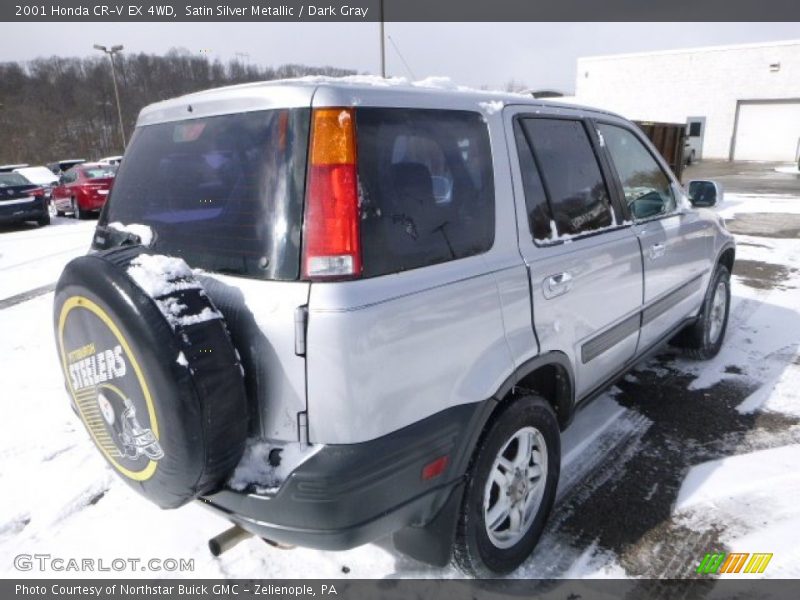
x: 143, y: 232
x: 159, y: 275
x: 490, y: 108
x: 432, y: 83
x: 739, y: 475
x: 255, y: 469
x: 207, y: 314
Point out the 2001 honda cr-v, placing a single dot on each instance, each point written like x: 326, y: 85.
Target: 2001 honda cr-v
x: 331, y: 310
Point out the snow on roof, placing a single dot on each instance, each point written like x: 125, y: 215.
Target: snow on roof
x: 301, y: 91
x: 364, y: 82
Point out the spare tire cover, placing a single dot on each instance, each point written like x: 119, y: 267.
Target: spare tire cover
x: 152, y: 372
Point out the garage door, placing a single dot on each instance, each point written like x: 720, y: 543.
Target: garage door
x: 768, y: 131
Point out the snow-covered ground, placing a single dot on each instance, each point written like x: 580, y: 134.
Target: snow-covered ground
x: 678, y: 460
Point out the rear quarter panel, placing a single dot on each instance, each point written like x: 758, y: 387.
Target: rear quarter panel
x: 386, y: 352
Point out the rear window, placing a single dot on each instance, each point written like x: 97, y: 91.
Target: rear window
x: 224, y: 193
x: 12, y: 179
x: 426, y: 185
x: 99, y: 172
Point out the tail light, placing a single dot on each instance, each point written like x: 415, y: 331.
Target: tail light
x: 332, y: 239
x: 37, y: 192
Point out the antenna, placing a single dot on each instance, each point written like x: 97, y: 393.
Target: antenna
x: 400, y: 54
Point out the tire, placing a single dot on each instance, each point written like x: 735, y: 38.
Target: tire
x: 45, y: 220
x: 152, y: 372
x: 77, y: 213
x: 703, y: 339
x: 483, y: 551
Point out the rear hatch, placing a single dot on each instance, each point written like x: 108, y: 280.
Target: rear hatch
x: 99, y: 181
x: 225, y: 193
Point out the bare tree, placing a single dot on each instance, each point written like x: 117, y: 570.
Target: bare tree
x: 52, y: 108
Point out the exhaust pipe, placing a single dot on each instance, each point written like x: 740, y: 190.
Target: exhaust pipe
x: 227, y: 540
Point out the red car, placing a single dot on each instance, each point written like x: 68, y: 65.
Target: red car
x: 83, y: 189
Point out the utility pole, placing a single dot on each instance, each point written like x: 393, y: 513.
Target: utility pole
x: 111, y: 52
x: 383, y: 47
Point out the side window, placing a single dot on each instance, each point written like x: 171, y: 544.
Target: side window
x: 579, y: 198
x: 426, y: 186
x: 648, y: 191
x: 70, y: 176
x: 535, y: 197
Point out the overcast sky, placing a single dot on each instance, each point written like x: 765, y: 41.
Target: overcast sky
x: 542, y: 55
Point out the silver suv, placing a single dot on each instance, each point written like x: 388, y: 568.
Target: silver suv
x: 347, y: 309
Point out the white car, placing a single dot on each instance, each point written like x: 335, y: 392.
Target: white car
x: 110, y: 160
x: 41, y: 176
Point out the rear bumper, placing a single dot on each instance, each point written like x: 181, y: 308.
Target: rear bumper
x: 348, y: 495
x: 13, y: 211
x: 92, y: 203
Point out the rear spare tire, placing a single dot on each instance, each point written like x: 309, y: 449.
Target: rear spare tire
x: 151, y: 371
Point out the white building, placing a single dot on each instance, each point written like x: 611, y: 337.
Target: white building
x: 741, y: 102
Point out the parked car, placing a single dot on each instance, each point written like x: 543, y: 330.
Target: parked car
x: 60, y: 166
x: 330, y: 311
x: 21, y: 200
x: 83, y: 190
x: 110, y: 160
x: 41, y: 176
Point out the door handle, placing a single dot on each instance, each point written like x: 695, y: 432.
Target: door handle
x: 555, y: 285
x: 657, y: 251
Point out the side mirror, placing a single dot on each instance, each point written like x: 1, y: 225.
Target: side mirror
x: 704, y: 194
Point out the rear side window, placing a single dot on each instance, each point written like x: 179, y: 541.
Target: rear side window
x: 578, y: 196
x: 535, y: 197
x: 426, y: 187
x: 225, y: 193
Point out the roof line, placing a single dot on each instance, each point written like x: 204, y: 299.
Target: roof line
x: 720, y: 48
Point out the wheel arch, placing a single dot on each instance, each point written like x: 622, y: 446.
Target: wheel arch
x: 726, y: 257
x: 548, y: 375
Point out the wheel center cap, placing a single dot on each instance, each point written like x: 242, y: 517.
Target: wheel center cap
x: 517, y: 488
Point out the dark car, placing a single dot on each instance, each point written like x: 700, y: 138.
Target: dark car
x: 21, y: 200
x: 83, y: 189
x: 60, y: 166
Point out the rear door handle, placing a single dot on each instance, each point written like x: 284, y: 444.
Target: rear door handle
x: 555, y: 285
x: 657, y: 251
